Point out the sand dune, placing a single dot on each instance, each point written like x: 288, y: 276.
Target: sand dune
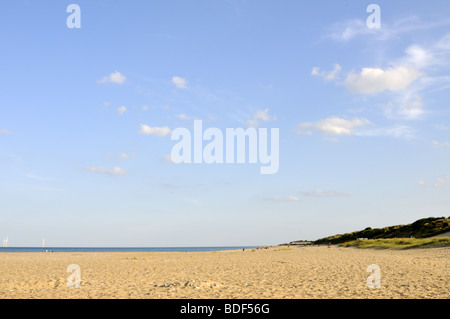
x: 306, y: 272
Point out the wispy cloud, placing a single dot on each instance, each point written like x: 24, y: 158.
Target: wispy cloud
x: 156, y: 131
x: 186, y: 117
x: 333, y: 125
x: 121, y: 110
x: 408, y: 106
x: 337, y: 126
x: 355, y: 28
x: 322, y: 193
x: 283, y: 199
x: 331, y: 75
x: 440, y: 144
x: 439, y: 183
x: 347, y: 30
x: 179, y: 82
x: 405, y: 81
x: 125, y: 156
x: 108, y: 171
x: 37, y: 177
x: 405, y: 100
x: 167, y: 158
x: 115, y: 77
x: 398, y: 131
x: 5, y: 132
x: 260, y: 115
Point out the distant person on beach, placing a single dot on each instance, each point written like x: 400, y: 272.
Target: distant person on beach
x: 329, y: 245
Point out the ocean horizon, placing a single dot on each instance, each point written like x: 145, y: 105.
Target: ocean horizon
x: 121, y: 249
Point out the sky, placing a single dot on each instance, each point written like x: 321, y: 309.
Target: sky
x: 86, y: 116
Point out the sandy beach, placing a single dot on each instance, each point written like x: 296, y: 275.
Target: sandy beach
x: 278, y: 272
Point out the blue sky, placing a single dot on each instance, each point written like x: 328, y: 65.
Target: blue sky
x: 363, y: 116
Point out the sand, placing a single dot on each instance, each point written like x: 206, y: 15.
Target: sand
x: 278, y: 272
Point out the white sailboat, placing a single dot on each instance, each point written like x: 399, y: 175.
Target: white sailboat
x: 43, y: 243
x: 5, y: 242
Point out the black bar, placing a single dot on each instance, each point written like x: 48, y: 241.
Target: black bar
x: 225, y: 308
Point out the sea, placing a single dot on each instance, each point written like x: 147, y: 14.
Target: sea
x: 119, y: 249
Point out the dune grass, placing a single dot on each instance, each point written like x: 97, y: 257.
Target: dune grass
x: 422, y: 228
x: 399, y: 243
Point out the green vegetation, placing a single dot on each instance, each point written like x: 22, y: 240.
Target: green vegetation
x: 421, y: 228
x: 399, y: 243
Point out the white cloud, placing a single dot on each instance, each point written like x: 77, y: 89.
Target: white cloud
x: 180, y: 83
x: 121, y: 110
x: 399, y: 131
x: 321, y: 193
x: 115, y: 77
x: 156, y: 131
x: 252, y: 123
x: 411, y: 108
x: 375, y: 80
x: 5, y: 132
x: 408, y: 106
x: 264, y: 116
x: 440, y: 182
x: 332, y: 75
x: 283, y: 199
x: 109, y: 171
x: 36, y: 177
x: 332, y: 126
x: 441, y: 144
x: 185, y: 117
x: 350, y: 29
x: 417, y: 56
x: 125, y: 156
x: 408, y: 80
x: 435, y: 56
x: 260, y: 115
x: 167, y: 158
x: 444, y: 43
